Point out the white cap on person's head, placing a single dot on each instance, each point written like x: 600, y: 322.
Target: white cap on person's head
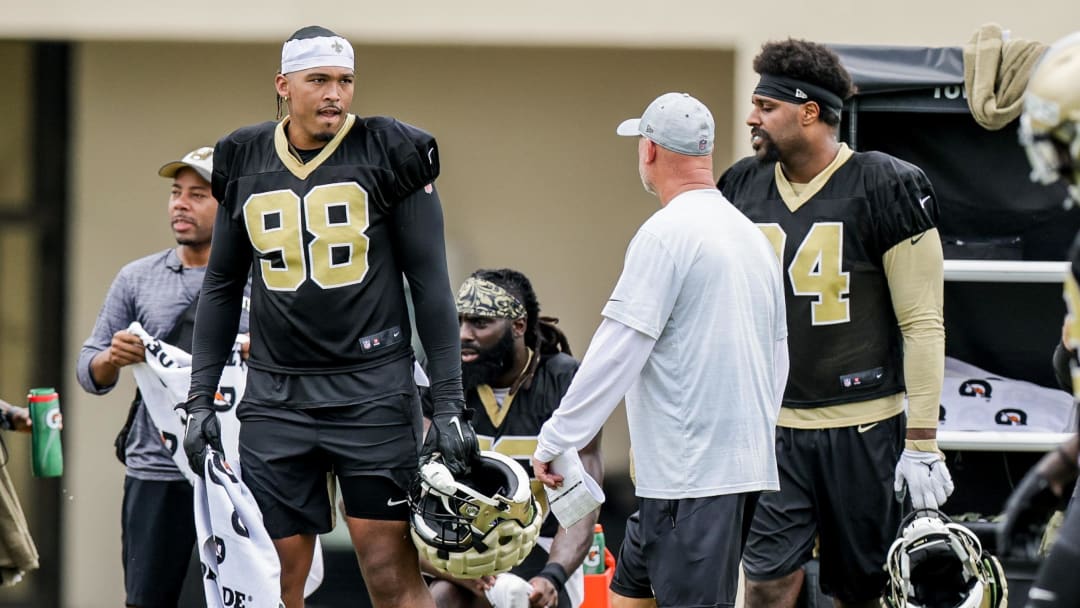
x: 199, y: 159
x: 676, y: 122
x: 315, y: 47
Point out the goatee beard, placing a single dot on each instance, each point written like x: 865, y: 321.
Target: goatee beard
x: 772, y: 155
x: 767, y: 151
x: 490, y: 363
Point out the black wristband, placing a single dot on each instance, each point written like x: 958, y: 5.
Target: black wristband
x: 7, y: 419
x: 451, y: 407
x: 556, y: 574
x: 195, y: 403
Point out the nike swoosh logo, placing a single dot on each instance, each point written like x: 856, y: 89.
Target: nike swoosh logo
x: 922, y: 201
x: 862, y: 428
x: 916, y: 239
x: 457, y: 425
x: 390, y: 502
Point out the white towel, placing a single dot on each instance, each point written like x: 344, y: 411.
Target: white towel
x: 974, y: 399
x: 163, y: 381
x: 240, y: 566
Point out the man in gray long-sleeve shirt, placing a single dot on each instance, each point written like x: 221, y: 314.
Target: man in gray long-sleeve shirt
x: 156, y: 291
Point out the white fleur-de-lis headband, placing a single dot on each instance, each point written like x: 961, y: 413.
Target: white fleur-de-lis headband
x: 316, y: 52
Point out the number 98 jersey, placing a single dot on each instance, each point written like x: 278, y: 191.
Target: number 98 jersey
x: 844, y: 342
x: 327, y: 291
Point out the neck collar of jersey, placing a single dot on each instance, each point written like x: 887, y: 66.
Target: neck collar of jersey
x: 794, y: 196
x: 301, y: 169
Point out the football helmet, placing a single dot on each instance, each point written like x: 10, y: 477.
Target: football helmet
x: 1050, y: 122
x: 478, y: 525
x: 935, y: 563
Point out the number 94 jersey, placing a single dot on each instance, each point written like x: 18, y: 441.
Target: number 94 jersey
x: 845, y: 344
x: 327, y: 292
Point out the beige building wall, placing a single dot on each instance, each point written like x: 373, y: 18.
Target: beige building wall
x: 688, y: 23
x: 534, y: 178
x: 692, y: 24
x: 524, y: 98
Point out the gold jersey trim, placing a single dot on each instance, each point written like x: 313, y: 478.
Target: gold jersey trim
x: 487, y: 395
x: 796, y: 195
x: 845, y: 414
x: 297, y: 167
x: 495, y: 413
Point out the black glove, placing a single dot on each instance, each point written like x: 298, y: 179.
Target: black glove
x: 203, y: 430
x: 452, y: 437
x: 1026, y: 512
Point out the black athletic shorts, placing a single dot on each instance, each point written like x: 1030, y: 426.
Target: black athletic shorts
x: 158, y: 536
x: 836, y: 488
x: 286, y: 455
x: 692, y: 547
x: 631, y: 578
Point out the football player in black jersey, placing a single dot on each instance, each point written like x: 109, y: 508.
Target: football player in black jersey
x: 516, y: 367
x: 328, y: 211
x: 1050, y: 133
x: 857, y: 239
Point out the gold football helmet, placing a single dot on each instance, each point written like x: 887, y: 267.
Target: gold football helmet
x: 1050, y: 122
x: 935, y: 563
x: 480, y: 525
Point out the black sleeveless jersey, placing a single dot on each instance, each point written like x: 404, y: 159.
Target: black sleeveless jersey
x: 327, y: 292
x: 515, y: 435
x: 844, y: 341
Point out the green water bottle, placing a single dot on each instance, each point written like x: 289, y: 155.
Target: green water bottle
x: 46, y: 452
x: 594, y: 560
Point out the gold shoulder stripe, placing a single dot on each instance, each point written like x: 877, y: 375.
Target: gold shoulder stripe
x: 293, y: 164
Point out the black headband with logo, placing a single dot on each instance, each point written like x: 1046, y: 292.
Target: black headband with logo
x: 793, y: 90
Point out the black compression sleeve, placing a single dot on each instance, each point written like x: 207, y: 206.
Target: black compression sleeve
x: 421, y: 249
x: 218, y: 316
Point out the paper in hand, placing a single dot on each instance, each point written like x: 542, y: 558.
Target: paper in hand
x: 579, y: 493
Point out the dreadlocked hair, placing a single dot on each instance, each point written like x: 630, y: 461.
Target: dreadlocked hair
x: 808, y: 61
x: 541, y: 333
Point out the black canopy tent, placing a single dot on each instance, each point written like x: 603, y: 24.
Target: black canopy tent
x: 912, y: 104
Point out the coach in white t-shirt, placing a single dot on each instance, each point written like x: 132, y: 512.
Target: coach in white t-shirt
x: 695, y: 337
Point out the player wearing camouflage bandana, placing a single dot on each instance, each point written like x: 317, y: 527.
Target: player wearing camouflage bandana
x: 516, y: 367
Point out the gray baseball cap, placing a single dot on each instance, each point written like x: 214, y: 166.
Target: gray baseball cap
x: 675, y: 121
x: 199, y: 159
